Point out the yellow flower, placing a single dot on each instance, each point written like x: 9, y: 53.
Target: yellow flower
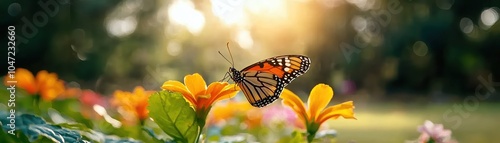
x: 315, y: 114
x: 45, y: 84
x: 195, y: 91
x: 132, y: 104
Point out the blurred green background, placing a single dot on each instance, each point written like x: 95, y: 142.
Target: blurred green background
x: 400, y: 61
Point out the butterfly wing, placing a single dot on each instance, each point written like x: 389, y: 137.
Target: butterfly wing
x: 286, y: 67
x: 260, y: 88
x: 263, y: 82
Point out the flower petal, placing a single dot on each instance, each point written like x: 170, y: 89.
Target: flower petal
x: 344, y: 109
x: 49, y: 94
x: 133, y: 103
x: 217, y: 91
x: 427, y: 127
x: 49, y: 86
x: 226, y: 94
x: 195, y: 84
x: 320, y: 96
x: 228, y: 91
x: 176, y: 86
x: 423, y: 138
x: 211, y: 94
x: 216, y: 87
x: 293, y: 101
x: 25, y: 80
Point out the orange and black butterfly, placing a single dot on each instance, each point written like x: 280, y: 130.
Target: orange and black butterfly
x: 263, y: 82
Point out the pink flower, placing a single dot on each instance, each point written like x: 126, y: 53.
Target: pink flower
x: 89, y: 98
x: 435, y: 132
x: 277, y: 114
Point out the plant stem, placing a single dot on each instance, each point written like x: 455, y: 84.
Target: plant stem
x: 198, y: 135
x: 312, y: 128
x: 201, y: 125
x: 310, y: 137
x: 200, y: 130
x: 201, y: 116
x: 36, y: 105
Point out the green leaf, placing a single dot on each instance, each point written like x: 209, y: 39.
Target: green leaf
x: 174, y: 116
x: 31, y: 128
x: 75, y: 126
x: 21, y: 122
x: 34, y: 127
x: 19, y: 137
x: 155, y: 137
x: 297, y: 137
x: 100, y: 137
x: 56, y: 133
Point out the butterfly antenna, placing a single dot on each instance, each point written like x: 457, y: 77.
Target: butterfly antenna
x: 232, y: 61
x: 226, y: 59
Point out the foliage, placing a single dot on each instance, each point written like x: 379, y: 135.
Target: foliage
x: 174, y: 116
x: 31, y: 128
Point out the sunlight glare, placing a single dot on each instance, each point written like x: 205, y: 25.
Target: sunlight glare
x: 183, y: 12
x: 122, y: 20
x: 363, y: 5
x: 268, y: 7
x: 121, y: 27
x: 102, y: 111
x: 244, y: 39
x: 331, y: 3
x: 229, y: 11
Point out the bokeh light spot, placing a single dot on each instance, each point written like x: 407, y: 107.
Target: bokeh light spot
x: 359, y: 23
x: 183, y: 12
x: 81, y: 56
x: 14, y: 9
x: 420, y: 48
x: 466, y: 25
x: 121, y: 27
x: 228, y: 11
x: 363, y: 5
x: 331, y: 3
x: 489, y: 17
x: 244, y: 39
x: 174, y: 48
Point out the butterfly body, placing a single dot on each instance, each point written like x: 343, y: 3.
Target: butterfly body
x: 263, y: 82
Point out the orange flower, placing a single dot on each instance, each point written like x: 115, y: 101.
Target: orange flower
x: 195, y: 91
x: 71, y: 92
x: 254, y: 117
x: 316, y: 114
x: 132, y: 104
x: 46, y: 84
x: 220, y: 113
x: 225, y: 111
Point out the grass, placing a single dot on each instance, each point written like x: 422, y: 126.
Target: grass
x: 396, y: 123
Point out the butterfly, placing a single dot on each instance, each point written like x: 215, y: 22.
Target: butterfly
x: 263, y: 82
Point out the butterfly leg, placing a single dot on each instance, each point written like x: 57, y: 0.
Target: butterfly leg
x: 225, y: 78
